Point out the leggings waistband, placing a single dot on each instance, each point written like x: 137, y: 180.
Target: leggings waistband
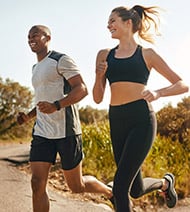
x: 133, y: 105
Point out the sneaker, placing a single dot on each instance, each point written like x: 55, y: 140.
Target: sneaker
x: 170, y: 193
x: 110, y: 184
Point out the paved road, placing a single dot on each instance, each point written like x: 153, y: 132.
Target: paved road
x: 15, y: 192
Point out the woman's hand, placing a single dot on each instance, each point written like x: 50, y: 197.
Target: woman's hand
x: 150, y: 96
x: 101, y: 68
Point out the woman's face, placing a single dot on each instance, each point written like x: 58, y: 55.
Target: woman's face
x: 117, y: 26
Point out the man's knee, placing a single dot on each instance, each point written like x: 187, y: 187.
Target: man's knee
x: 38, y: 185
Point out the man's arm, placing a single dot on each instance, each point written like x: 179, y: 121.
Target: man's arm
x: 23, y: 118
x: 77, y: 93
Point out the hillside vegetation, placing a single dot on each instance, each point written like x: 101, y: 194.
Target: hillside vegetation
x: 170, y: 151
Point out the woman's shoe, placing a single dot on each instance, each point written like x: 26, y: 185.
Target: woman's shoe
x: 171, y: 197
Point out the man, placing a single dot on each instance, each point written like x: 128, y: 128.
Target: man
x: 57, y: 126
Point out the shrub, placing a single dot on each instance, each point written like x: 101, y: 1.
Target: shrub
x: 98, y: 155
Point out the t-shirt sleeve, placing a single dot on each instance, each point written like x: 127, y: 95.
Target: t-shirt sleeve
x: 67, y: 67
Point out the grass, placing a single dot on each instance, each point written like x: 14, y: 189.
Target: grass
x: 165, y: 156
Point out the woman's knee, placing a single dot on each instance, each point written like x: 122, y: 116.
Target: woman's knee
x: 119, y: 190
x: 135, y: 194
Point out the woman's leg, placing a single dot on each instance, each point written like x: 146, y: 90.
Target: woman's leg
x: 133, y: 154
x: 142, y: 186
x: 132, y: 133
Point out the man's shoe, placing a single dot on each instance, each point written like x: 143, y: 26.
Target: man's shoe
x: 170, y: 193
x: 110, y: 184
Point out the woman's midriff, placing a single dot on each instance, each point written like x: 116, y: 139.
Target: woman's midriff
x: 125, y: 92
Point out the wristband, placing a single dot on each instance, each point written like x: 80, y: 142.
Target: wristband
x: 57, y: 105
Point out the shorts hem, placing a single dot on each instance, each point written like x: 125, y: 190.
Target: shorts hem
x: 73, y: 166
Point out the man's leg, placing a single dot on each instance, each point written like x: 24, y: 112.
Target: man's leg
x: 40, y: 171
x: 79, y: 184
x: 70, y: 151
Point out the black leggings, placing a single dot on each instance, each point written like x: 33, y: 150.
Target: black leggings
x: 133, y: 129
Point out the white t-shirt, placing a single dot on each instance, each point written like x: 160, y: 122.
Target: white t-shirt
x: 49, y: 86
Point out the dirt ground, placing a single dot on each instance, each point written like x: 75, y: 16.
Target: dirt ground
x: 56, y: 181
x: 18, y: 154
x: 15, y: 190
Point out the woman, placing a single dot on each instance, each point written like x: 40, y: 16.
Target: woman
x: 132, y: 119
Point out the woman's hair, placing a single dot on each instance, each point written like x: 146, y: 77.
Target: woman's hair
x: 143, y: 19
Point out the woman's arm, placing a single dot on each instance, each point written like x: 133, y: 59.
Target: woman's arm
x: 100, y: 80
x: 177, y: 85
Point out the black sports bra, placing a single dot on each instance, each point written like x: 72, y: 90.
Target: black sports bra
x: 131, y: 69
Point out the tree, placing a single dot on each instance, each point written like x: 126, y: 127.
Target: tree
x: 175, y: 122
x: 89, y: 115
x: 14, y: 98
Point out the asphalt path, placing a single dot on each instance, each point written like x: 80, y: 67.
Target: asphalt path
x: 15, y: 191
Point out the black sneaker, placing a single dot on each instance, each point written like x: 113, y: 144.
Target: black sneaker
x: 110, y: 184
x: 170, y: 193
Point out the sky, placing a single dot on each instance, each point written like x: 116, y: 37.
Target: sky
x: 79, y: 29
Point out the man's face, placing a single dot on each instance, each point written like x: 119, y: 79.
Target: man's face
x: 38, y: 40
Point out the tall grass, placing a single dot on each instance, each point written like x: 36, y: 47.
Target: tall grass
x: 165, y: 156
x: 98, y: 156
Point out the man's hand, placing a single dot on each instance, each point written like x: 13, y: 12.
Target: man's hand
x: 46, y: 107
x: 22, y: 118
